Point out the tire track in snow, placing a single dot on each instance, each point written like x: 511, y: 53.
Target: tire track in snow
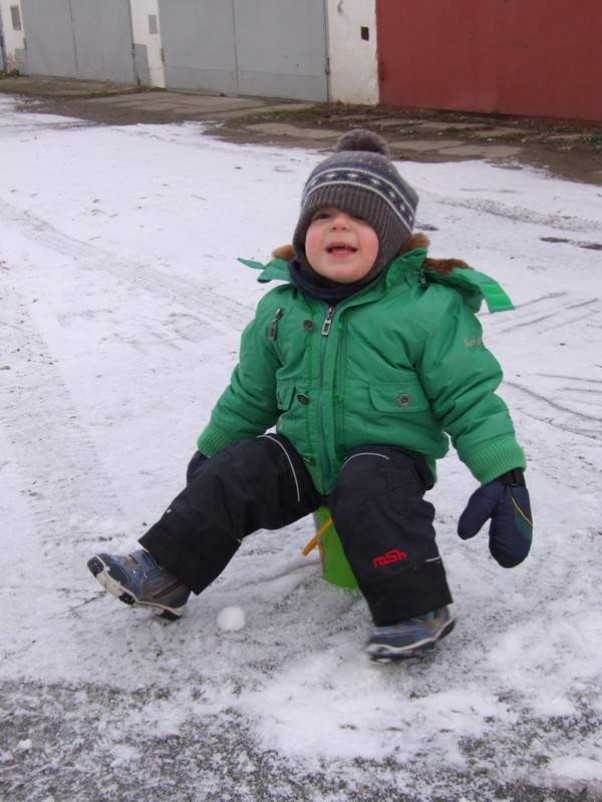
x: 521, y: 214
x: 56, y: 458
x: 547, y: 410
x: 558, y: 406
x: 60, y: 505
x: 555, y: 310
x: 219, y: 310
x: 69, y: 503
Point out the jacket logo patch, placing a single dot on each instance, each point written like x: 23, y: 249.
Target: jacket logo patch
x: 389, y: 557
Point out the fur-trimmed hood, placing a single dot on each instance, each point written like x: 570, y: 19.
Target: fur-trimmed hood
x: 417, y: 240
x: 476, y: 286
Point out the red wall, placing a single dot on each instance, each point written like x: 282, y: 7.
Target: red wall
x: 532, y: 57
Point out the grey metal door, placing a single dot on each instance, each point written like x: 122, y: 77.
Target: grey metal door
x: 275, y: 48
x: 281, y: 48
x: 49, y: 34
x: 83, y: 39
x: 198, y: 45
x: 103, y: 40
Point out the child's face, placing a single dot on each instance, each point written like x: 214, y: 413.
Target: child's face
x: 340, y: 247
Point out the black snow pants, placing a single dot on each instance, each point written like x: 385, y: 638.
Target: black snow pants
x: 377, y: 504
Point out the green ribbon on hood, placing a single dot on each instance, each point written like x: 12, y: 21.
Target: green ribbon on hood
x: 477, y: 286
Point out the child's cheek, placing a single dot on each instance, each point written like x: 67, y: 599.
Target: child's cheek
x: 312, y: 244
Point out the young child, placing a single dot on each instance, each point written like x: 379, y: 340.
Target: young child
x: 363, y: 359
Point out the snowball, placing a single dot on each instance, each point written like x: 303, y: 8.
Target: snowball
x: 231, y: 619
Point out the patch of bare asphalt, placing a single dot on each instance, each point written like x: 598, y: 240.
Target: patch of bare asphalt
x: 569, y: 149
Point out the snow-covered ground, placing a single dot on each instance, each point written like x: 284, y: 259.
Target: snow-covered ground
x: 121, y: 307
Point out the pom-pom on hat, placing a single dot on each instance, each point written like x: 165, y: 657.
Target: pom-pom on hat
x: 361, y: 179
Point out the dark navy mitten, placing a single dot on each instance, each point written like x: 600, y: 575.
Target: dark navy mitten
x: 506, y: 502
x: 195, y: 463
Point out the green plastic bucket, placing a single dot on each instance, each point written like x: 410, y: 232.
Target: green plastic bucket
x: 335, y: 567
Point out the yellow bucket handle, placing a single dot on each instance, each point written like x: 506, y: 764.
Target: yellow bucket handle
x: 316, y: 538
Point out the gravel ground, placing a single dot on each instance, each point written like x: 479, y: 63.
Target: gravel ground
x: 48, y: 756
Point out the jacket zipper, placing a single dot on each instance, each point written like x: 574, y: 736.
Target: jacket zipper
x: 273, y: 332
x: 325, y: 331
x: 328, y: 321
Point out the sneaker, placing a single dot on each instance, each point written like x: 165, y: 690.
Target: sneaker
x: 410, y: 638
x: 138, y: 580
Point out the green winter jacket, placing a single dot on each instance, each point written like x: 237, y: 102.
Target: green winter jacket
x: 400, y: 363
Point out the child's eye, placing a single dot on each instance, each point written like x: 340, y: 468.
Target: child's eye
x: 320, y: 216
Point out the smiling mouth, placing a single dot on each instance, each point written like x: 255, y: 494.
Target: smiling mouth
x: 341, y: 249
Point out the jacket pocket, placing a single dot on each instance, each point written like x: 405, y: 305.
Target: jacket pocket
x: 285, y: 392
x: 399, y: 397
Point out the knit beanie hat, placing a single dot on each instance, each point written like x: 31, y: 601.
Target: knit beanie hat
x: 361, y: 179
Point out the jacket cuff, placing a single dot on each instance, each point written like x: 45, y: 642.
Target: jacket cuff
x: 211, y: 440
x: 494, y: 459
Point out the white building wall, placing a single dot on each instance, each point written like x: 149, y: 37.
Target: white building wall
x: 14, y: 40
x: 353, y: 60
x: 146, y: 31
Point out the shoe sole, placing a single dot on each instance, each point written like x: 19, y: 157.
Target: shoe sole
x: 393, y: 654
x: 102, y: 573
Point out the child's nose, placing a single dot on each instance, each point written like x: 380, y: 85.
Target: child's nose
x: 340, y: 220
